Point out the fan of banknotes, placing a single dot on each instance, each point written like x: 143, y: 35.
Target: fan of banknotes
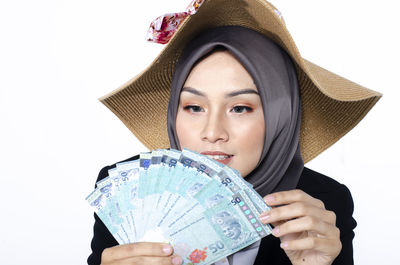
x: 203, y: 208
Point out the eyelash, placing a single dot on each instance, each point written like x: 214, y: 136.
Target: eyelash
x: 195, y: 108
x: 191, y: 108
x: 248, y: 109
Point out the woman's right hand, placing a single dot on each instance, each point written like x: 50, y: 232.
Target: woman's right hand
x: 140, y: 253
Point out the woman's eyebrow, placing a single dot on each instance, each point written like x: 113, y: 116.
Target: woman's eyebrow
x: 193, y: 91
x: 231, y: 94
x: 242, y: 91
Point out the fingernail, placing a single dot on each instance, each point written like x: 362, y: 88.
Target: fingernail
x: 167, y: 249
x: 269, y: 199
x: 177, y: 260
x: 264, y: 218
x: 275, y: 231
x: 284, y: 245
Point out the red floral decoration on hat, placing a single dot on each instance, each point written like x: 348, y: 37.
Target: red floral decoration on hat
x: 164, y: 27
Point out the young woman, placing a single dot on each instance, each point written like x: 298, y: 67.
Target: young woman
x: 240, y: 98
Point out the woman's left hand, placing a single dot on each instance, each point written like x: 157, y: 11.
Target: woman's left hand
x: 307, y: 231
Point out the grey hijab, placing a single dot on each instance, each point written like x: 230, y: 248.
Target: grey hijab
x: 274, y: 75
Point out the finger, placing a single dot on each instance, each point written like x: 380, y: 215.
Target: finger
x: 287, y: 197
x: 171, y: 260
x: 305, y: 224
x: 331, y: 247
x: 275, y: 224
x: 136, y: 249
x: 297, y: 210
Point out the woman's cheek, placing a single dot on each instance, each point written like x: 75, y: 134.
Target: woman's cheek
x: 186, y: 128
x: 251, y: 128
x: 249, y: 140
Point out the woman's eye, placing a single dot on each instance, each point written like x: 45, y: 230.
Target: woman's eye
x: 193, y: 108
x: 241, y: 109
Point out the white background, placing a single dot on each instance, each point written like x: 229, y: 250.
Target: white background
x: 57, y: 57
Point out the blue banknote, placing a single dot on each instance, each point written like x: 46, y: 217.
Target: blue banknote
x: 203, y: 208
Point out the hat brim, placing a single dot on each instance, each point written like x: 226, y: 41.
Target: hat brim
x: 331, y: 105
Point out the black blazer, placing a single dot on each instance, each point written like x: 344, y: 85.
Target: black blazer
x: 335, y: 196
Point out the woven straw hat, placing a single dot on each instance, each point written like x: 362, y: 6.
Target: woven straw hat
x: 331, y: 105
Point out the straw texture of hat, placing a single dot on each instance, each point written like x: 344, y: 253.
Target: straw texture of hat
x: 331, y: 105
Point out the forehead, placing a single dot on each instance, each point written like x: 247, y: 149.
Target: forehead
x: 218, y: 58
x: 219, y: 70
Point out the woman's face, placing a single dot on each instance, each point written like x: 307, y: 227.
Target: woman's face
x: 220, y: 113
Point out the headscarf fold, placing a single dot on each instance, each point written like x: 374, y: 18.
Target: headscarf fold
x: 274, y: 75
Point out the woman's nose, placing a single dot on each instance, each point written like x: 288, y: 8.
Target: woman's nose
x: 215, y: 129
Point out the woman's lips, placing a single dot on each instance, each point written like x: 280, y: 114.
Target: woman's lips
x: 221, y: 157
